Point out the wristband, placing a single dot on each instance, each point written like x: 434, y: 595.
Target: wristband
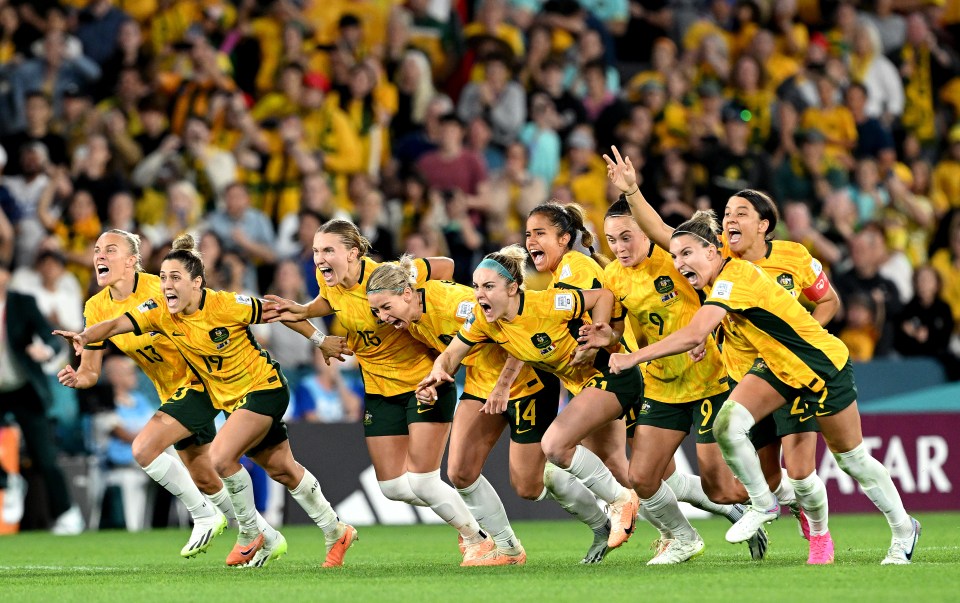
x: 317, y: 338
x: 633, y: 192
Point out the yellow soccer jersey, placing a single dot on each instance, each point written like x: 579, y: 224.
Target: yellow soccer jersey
x: 217, y: 342
x: 446, y: 306
x: 663, y: 301
x: 539, y: 335
x: 579, y: 271
x: 392, y: 361
x: 792, y: 343
x: 794, y: 269
x: 155, y: 354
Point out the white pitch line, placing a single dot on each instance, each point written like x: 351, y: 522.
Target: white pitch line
x: 63, y: 568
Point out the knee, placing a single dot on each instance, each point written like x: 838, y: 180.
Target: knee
x: 556, y: 450
x: 398, y: 489
x: 204, y: 476
x: 282, y: 475
x: 720, y: 491
x: 145, y: 450
x: 462, y: 476
x: 645, y: 483
x: 732, y: 422
x: 529, y: 489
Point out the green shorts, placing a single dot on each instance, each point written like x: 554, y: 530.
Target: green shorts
x: 193, y: 409
x: 839, y: 392
x: 628, y: 388
x: 390, y: 415
x: 681, y: 416
x: 530, y: 416
x: 271, y: 403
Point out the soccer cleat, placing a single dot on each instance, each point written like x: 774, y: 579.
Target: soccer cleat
x: 623, y: 517
x: 901, y: 549
x: 461, y: 545
x: 821, y: 550
x: 678, y: 551
x: 659, y: 545
x: 204, y: 531
x: 472, y: 552
x: 498, y: 557
x: 271, y: 550
x: 69, y: 523
x: 751, y: 522
x: 804, y: 525
x: 758, y: 545
x: 243, y: 553
x: 599, y: 549
x: 337, y: 550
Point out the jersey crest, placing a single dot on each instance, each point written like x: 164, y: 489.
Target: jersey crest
x: 663, y: 284
x: 786, y: 281
x: 219, y: 334
x: 541, y: 341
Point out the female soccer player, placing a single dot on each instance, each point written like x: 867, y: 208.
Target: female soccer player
x: 116, y: 261
x: 678, y: 391
x: 552, y: 230
x: 405, y: 438
x: 433, y: 313
x: 211, y: 330
x: 797, y: 359
x: 749, y: 222
x: 537, y: 327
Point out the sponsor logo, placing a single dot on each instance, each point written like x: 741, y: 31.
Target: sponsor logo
x: 244, y: 299
x: 816, y: 267
x: 663, y: 284
x: 519, y: 431
x: 722, y: 290
x: 806, y: 418
x: 703, y: 431
x: 541, y: 341
x: 219, y: 334
x: 547, y: 350
x: 367, y: 418
x: 645, y: 408
x: 566, y: 272
x: 786, y: 281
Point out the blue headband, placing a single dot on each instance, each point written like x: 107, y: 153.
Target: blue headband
x: 497, y: 266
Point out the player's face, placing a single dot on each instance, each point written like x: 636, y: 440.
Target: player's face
x: 693, y: 260
x: 493, y: 293
x: 626, y: 240
x: 331, y: 257
x: 545, y: 243
x: 398, y: 309
x: 180, y: 291
x: 111, y: 259
x: 743, y: 225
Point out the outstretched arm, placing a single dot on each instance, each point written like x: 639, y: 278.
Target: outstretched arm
x: 331, y: 346
x: 87, y: 374
x: 98, y: 332
x: 623, y: 175
x: 444, y: 367
x: 693, y: 334
x: 441, y: 269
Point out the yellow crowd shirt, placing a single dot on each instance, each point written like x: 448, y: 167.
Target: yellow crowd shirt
x: 217, y: 343
x: 155, y: 354
x: 792, y: 344
x: 662, y: 301
x: 392, y: 361
x: 539, y: 334
x: 446, y: 306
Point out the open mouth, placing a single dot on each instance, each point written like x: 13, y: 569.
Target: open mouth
x: 171, y: 299
x: 485, y: 307
x: 326, y: 272
x: 690, y: 275
x: 102, y: 269
x: 537, y: 256
x: 397, y: 323
x: 733, y: 235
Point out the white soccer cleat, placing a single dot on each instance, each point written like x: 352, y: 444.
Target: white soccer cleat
x: 273, y: 548
x: 204, y: 531
x: 751, y: 523
x: 677, y: 551
x: 901, y: 549
x: 69, y: 523
x: 599, y: 549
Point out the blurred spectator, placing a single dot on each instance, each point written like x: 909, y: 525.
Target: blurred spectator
x: 370, y: 219
x: 926, y: 323
x: 946, y: 262
x: 541, y: 138
x: 808, y: 175
x: 864, y: 323
x: 498, y: 98
x: 945, y: 187
x: 74, y: 232
x: 867, y: 192
x: 731, y: 165
x: 98, y: 26
x: 584, y: 173
x: 53, y: 71
x: 129, y: 53
x: 479, y: 139
x: 464, y: 242
x: 184, y: 213
x: 132, y: 410
x: 27, y: 188
x: 438, y: 37
x: 509, y: 196
x: 452, y: 166
x: 412, y: 147
x: 292, y: 350
x: 868, y: 66
x: 570, y: 110
x: 242, y: 228
x: 195, y: 79
x: 834, y: 121
x: 890, y: 25
x: 121, y: 212
x: 92, y: 171
x: 415, y: 91
x: 873, y: 137
x: 39, y: 116
x: 324, y: 397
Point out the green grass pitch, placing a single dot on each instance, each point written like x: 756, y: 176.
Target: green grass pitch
x: 420, y: 563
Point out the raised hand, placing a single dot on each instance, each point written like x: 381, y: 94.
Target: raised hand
x: 621, y: 172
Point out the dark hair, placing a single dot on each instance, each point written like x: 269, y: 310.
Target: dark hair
x: 703, y: 226
x: 184, y: 250
x: 569, y: 219
x: 764, y: 206
x: 620, y: 208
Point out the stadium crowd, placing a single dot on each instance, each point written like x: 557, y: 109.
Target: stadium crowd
x: 436, y: 125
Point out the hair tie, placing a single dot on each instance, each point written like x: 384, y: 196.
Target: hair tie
x: 493, y: 264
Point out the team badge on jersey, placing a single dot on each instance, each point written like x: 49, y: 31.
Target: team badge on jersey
x: 367, y: 418
x: 219, y: 334
x: 663, y: 284
x: 645, y: 408
x: 446, y: 339
x: 541, y: 341
x: 786, y: 281
x: 147, y: 306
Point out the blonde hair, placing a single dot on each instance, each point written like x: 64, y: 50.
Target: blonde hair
x: 133, y: 244
x: 349, y: 235
x: 395, y: 277
x: 704, y: 226
x: 513, y: 259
